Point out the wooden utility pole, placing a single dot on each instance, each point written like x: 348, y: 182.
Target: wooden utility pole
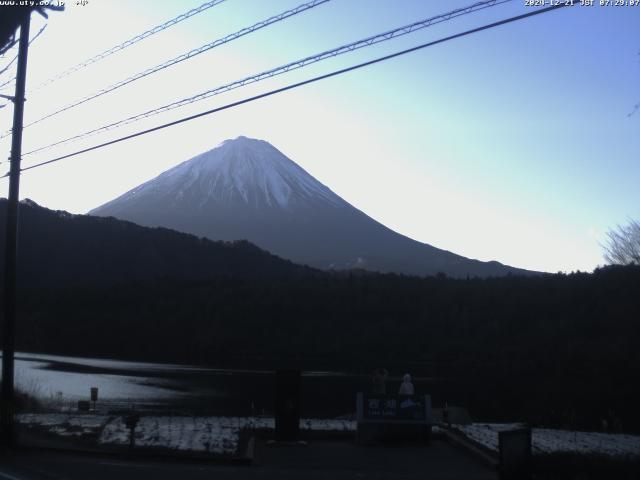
x: 7, y: 430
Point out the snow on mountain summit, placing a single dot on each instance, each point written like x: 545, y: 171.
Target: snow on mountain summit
x: 239, y: 170
x: 246, y: 189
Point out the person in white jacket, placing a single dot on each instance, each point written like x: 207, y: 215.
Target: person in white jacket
x: 406, y: 387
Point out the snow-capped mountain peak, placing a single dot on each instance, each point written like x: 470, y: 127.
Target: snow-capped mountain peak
x: 240, y: 170
x: 246, y: 189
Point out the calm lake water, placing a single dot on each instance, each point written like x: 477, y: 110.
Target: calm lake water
x: 182, y: 388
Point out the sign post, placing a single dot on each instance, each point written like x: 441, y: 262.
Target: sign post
x: 287, y: 405
x: 514, y: 447
x: 94, y: 396
x: 386, y: 416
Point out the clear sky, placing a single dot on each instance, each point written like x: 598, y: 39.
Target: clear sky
x: 513, y: 144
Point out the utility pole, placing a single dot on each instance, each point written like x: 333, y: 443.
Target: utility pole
x: 7, y: 431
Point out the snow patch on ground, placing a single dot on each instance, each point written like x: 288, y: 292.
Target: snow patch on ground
x: 215, y: 435
x: 65, y: 425
x: 57, y: 419
x: 193, y: 434
x: 547, y: 441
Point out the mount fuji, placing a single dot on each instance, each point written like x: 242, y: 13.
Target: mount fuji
x: 246, y: 189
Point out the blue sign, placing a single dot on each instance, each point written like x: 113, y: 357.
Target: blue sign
x: 386, y: 407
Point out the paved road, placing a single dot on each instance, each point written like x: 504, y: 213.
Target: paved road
x: 318, y: 460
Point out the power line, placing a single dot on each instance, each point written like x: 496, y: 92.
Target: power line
x: 6, y: 67
x: 185, y: 56
x: 38, y: 34
x: 4, y: 85
x: 131, y: 41
x: 9, y: 45
x: 372, y: 40
x: 304, y: 82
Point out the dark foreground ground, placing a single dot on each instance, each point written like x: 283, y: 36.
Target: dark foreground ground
x: 318, y: 460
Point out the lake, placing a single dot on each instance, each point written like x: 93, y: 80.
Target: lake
x: 64, y: 380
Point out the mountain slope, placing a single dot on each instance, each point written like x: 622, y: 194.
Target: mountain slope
x: 247, y: 189
x: 59, y: 249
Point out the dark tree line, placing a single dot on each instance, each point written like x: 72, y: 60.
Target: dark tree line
x: 553, y: 349
x: 556, y: 349
x: 57, y: 249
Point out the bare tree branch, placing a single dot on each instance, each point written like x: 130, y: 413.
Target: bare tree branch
x: 622, y: 246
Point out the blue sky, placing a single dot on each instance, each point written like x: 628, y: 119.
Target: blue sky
x: 513, y: 144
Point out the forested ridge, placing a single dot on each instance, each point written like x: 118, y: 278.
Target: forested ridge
x: 58, y: 249
x: 553, y: 349
x: 524, y: 347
